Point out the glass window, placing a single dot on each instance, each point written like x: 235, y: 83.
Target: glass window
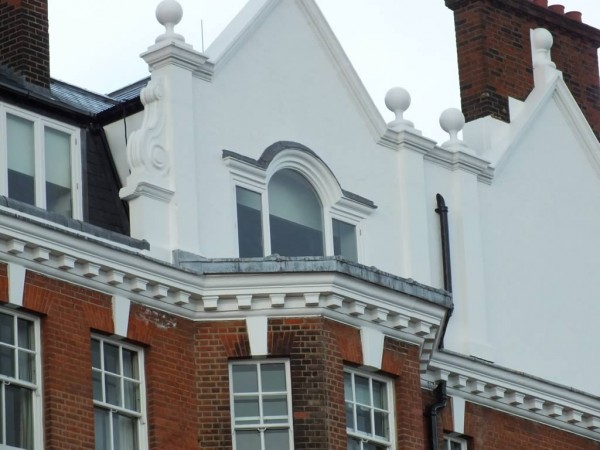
x: 118, y: 390
x: 295, y: 216
x: 454, y: 443
x: 369, y: 417
x: 18, y: 381
x: 344, y: 240
x: 40, y: 157
x: 21, y: 157
x: 261, y: 405
x: 58, y: 171
x: 249, y: 215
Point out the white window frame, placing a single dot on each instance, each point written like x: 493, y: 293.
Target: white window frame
x: 39, y: 123
x: 448, y: 440
x: 365, y: 438
x: 36, y: 388
x: 335, y: 204
x: 142, y: 424
x: 289, y: 425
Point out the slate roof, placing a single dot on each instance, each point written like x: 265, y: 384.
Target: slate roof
x: 90, y: 111
x: 81, y: 99
x: 129, y: 92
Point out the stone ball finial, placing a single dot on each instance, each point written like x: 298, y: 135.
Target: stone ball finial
x: 452, y: 121
x: 542, y: 43
x: 542, y: 39
x: 169, y: 14
x: 397, y: 100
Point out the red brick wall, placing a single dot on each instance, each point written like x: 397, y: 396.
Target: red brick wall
x: 68, y: 313
x: 494, y: 55
x: 24, y: 39
x: 187, y: 381
x: 492, y: 429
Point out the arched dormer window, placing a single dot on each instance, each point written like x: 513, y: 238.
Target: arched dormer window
x: 295, y: 215
x: 290, y: 203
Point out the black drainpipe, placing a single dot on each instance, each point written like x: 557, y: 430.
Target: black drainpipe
x: 442, y: 210
x: 440, y: 390
x: 432, y: 412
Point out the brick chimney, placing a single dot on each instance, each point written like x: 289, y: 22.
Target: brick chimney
x: 494, y: 54
x: 24, y: 41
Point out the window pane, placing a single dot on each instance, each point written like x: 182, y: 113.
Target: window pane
x: 370, y: 446
x: 277, y: 439
x: 130, y: 365
x: 348, y: 386
x: 7, y: 331
x: 21, y: 165
x: 245, y: 407
x: 19, y: 417
x: 276, y: 406
x: 245, y: 378
x: 26, y: 366
x: 124, y: 432
x: 7, y: 361
x: 379, y: 395
x: 353, y: 444
x: 58, y: 171
x: 344, y: 240
x: 113, y: 390
x: 247, y: 440
x: 25, y: 334
x: 362, y: 390
x: 349, y: 416
x: 102, y: 429
x: 273, y: 377
x: 249, y: 219
x: 132, y: 396
x: 96, y: 359
x: 97, y: 382
x: 363, y: 419
x: 111, y: 358
x: 381, y: 424
x: 295, y: 215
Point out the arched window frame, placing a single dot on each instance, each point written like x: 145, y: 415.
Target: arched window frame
x: 337, y: 204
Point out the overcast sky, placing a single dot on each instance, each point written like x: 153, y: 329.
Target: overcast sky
x: 409, y: 43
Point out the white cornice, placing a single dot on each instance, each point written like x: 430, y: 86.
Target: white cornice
x: 202, y: 297
x: 516, y: 393
x: 459, y: 160
x: 181, y: 55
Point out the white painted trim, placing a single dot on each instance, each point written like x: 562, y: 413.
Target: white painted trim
x: 257, y: 11
x: 260, y: 390
x: 257, y: 327
x: 120, y: 311
x: 320, y: 177
x: 516, y: 393
x: 458, y: 415
x: 391, y: 408
x: 372, y: 347
x: 39, y: 122
x: 142, y: 421
x: 16, y: 283
x: 37, y: 386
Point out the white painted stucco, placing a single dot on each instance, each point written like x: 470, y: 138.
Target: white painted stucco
x: 522, y: 196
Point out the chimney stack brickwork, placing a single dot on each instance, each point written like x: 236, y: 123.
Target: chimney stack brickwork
x: 494, y: 55
x: 24, y: 39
